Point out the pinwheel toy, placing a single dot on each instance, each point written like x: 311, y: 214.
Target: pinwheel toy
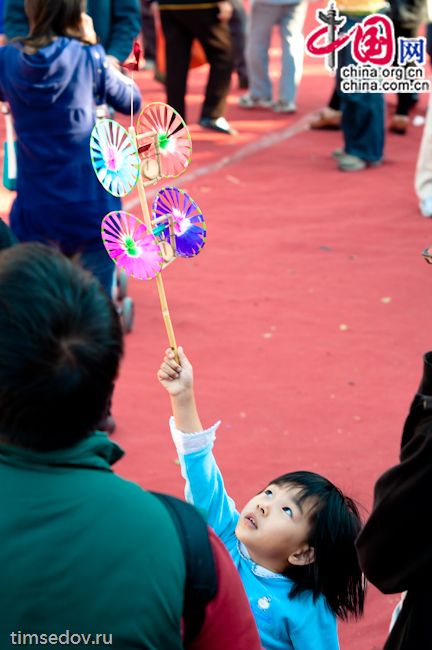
x: 123, y: 159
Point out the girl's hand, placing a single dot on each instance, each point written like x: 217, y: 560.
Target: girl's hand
x: 176, y: 378
x: 87, y: 29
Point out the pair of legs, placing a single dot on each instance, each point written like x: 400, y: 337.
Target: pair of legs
x: 362, y: 113
x: 290, y: 20
x: 180, y: 27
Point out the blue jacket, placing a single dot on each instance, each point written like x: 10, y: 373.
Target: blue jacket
x: 52, y: 99
x: 117, y: 23
x: 283, y: 623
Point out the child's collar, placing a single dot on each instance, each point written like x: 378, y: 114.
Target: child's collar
x: 257, y: 569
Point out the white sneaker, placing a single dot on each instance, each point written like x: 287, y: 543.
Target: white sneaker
x: 284, y: 107
x: 247, y: 101
x: 425, y: 206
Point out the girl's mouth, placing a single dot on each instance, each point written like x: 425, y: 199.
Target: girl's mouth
x: 250, y: 520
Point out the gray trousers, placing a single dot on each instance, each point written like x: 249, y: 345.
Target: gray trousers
x: 290, y: 19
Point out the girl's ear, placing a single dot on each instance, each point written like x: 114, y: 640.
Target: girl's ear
x: 302, y: 557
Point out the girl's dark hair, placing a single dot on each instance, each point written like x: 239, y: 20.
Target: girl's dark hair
x: 335, y: 524
x: 51, y: 18
x: 60, y: 347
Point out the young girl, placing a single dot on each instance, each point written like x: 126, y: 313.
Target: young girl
x: 52, y: 80
x: 293, y: 542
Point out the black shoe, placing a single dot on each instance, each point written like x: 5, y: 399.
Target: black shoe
x: 220, y: 124
x: 243, y: 81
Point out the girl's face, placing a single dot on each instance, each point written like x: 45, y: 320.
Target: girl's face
x: 274, y: 527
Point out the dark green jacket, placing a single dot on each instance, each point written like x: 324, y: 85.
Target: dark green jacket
x: 86, y: 551
x: 116, y: 22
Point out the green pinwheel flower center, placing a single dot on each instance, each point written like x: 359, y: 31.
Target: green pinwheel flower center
x: 163, y: 140
x: 130, y: 246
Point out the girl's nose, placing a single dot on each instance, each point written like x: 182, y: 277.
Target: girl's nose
x: 263, y: 508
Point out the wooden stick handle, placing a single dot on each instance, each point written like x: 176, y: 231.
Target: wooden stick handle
x: 166, y: 316
x: 148, y: 134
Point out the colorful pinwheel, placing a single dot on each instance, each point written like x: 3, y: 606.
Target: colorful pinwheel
x: 179, y: 221
x: 131, y: 246
x: 162, y: 135
x: 161, y: 148
x: 114, y: 157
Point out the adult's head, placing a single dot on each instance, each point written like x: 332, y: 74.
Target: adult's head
x: 51, y: 18
x: 60, y: 348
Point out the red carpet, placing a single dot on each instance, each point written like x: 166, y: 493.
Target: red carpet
x: 305, y: 315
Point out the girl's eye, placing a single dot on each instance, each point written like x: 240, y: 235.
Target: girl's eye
x: 268, y: 493
x: 288, y: 511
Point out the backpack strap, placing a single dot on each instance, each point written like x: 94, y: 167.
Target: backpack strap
x: 201, y: 578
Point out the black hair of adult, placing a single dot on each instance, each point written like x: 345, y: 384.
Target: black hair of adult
x: 335, y: 525
x: 51, y: 18
x: 60, y: 348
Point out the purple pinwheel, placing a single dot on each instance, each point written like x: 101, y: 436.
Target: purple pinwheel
x: 163, y: 135
x: 131, y: 246
x: 179, y: 221
x: 114, y: 157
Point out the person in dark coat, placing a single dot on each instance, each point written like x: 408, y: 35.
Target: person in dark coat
x: 51, y: 81
x: 117, y: 23
x: 394, y: 547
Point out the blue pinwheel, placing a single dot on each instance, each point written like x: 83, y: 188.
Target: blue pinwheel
x: 179, y: 221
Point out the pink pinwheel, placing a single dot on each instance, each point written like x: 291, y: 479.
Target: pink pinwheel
x: 173, y: 142
x: 131, y: 246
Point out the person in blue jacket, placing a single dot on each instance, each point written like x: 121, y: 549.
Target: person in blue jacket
x: 51, y: 80
x: 293, y: 543
x: 116, y: 22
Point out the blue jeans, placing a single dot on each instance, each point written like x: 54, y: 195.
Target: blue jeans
x: 362, y: 113
x: 101, y: 265
x: 290, y: 19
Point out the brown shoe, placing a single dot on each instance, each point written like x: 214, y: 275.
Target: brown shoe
x: 327, y: 119
x: 399, y: 124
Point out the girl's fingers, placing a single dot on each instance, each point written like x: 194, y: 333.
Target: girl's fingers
x: 170, y: 370
x: 162, y: 376
x: 172, y: 363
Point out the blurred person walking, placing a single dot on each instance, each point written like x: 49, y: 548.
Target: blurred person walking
x: 289, y: 16
x: 182, y: 22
